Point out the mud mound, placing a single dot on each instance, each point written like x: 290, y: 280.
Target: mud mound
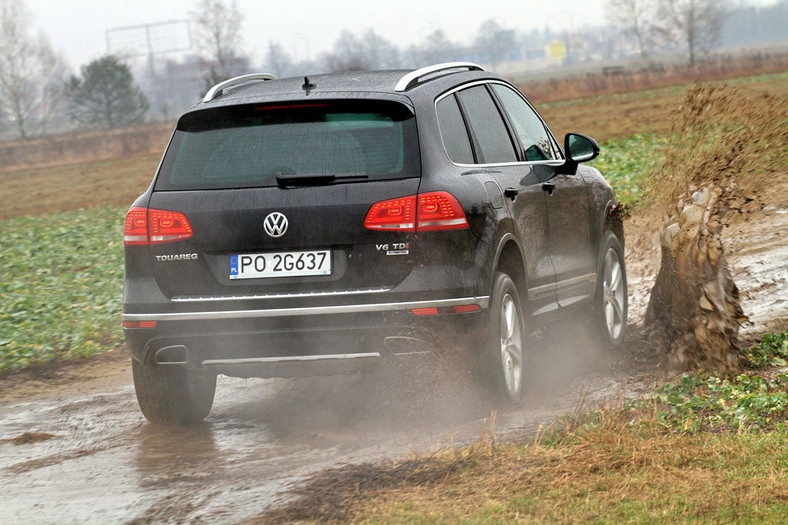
x: 722, y: 145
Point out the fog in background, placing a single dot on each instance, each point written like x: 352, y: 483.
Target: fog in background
x: 307, y: 28
x: 171, y: 66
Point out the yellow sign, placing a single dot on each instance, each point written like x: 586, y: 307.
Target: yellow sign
x: 556, y: 50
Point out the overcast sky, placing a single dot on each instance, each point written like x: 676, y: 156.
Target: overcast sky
x: 78, y: 28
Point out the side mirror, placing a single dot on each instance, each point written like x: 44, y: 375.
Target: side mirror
x: 578, y: 148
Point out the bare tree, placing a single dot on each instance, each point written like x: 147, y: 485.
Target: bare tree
x: 494, y: 42
x: 378, y: 51
x: 31, y: 73
x: 635, y: 17
x: 435, y: 49
x: 217, y: 34
x: 347, y: 55
x: 360, y: 53
x: 53, y: 75
x: 277, y: 60
x: 695, y: 23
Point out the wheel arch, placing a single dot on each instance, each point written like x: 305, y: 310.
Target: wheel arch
x: 509, y: 258
x: 614, y: 220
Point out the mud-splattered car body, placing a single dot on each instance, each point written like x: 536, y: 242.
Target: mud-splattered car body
x: 324, y: 224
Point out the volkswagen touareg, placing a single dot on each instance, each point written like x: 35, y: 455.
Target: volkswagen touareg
x: 320, y: 225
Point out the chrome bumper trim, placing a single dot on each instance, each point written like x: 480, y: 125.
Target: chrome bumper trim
x: 484, y: 302
x: 289, y: 359
x: 198, y: 299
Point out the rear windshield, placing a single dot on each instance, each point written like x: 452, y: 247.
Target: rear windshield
x: 248, y: 146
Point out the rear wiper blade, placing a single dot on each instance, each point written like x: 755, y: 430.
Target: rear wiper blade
x: 285, y: 180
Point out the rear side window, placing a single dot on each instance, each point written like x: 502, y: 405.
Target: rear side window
x: 247, y: 146
x: 453, y: 132
x: 487, y: 127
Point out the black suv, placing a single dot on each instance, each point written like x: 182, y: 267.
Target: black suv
x: 322, y: 225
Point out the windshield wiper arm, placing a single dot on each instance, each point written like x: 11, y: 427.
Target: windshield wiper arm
x: 285, y: 180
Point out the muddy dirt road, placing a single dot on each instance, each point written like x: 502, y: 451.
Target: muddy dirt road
x: 80, y: 458
x: 75, y: 449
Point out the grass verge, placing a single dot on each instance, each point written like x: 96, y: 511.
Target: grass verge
x: 702, y: 448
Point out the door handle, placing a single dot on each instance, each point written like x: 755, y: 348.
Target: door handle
x: 511, y: 193
x: 548, y: 187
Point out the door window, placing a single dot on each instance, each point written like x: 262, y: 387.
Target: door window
x: 529, y: 127
x: 491, y: 139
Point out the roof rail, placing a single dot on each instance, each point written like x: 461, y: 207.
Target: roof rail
x: 412, y: 78
x: 216, y: 90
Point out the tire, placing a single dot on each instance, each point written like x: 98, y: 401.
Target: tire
x: 609, y: 313
x: 505, y: 349
x: 169, y: 394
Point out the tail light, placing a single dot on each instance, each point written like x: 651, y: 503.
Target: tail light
x: 140, y: 324
x: 439, y: 211
x: 149, y: 226
x: 426, y: 212
x: 460, y: 309
x: 393, y: 214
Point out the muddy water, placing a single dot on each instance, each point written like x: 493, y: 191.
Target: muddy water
x: 759, y: 260
x: 103, y: 463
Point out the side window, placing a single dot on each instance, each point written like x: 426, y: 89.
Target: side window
x: 487, y: 127
x: 529, y: 127
x: 453, y: 132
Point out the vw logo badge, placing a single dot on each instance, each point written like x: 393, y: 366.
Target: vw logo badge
x: 275, y: 224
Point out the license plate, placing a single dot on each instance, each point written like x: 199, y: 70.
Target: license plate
x: 280, y: 264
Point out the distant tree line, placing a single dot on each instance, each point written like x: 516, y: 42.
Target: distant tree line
x: 696, y: 26
x: 37, y: 87
x: 693, y: 25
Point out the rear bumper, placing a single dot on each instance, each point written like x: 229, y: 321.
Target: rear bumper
x: 483, y: 302
x: 303, y: 341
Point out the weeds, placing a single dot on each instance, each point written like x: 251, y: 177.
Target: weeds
x: 771, y: 351
x: 701, y: 402
x: 701, y: 448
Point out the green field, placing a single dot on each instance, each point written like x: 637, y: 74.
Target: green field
x: 62, y: 286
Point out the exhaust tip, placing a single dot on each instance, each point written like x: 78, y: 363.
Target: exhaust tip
x: 171, y: 355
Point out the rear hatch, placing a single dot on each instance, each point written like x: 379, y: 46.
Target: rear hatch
x: 273, y: 199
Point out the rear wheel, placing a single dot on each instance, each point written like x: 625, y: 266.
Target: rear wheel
x: 610, y: 304
x: 172, y: 394
x: 505, y: 350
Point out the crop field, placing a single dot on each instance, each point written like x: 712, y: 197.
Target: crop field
x: 62, y: 286
x: 61, y: 227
